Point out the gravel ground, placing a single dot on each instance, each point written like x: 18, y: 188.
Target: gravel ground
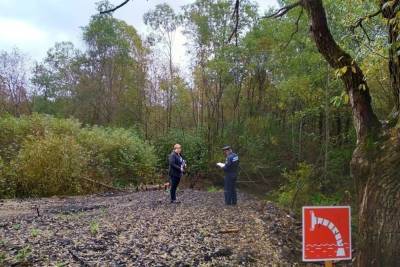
x: 143, y: 229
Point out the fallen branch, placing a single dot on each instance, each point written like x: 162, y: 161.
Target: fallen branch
x: 229, y: 230
x: 104, y: 185
x: 151, y: 187
x: 141, y: 187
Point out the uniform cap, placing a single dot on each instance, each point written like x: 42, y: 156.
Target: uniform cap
x: 226, y: 147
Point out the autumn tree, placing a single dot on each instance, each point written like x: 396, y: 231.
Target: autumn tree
x: 13, y: 83
x: 374, y: 166
x: 165, y: 23
x: 104, y: 84
x: 217, y: 68
x: 111, y: 72
x: 55, y: 79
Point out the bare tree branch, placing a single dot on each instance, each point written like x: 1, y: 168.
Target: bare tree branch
x: 359, y: 23
x: 296, y: 30
x: 115, y: 8
x: 360, y: 20
x: 236, y: 15
x: 282, y: 11
x: 374, y: 52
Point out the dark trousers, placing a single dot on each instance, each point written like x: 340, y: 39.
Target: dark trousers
x: 230, y: 190
x: 174, y: 185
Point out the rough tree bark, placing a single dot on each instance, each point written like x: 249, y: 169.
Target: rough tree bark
x: 375, y: 160
x: 389, y: 10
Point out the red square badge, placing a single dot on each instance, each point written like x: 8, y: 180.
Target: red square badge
x: 326, y: 233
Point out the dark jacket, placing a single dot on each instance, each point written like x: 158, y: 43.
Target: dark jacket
x: 231, y: 164
x: 175, y: 164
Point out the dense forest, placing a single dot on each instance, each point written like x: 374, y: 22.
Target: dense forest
x: 302, y: 93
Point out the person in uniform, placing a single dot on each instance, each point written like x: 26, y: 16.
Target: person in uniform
x: 176, y: 168
x: 230, y: 168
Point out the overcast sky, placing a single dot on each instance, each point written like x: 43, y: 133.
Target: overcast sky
x: 35, y: 25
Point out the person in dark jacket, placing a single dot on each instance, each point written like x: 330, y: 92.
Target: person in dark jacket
x: 230, y: 168
x: 176, y: 168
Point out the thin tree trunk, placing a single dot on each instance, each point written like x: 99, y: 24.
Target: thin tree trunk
x: 339, y: 134
x: 293, y: 141
x: 326, y: 126
x: 170, y: 90
x: 321, y: 126
x: 300, y: 138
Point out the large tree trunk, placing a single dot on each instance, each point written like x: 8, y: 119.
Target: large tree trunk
x: 379, y: 212
x: 375, y: 160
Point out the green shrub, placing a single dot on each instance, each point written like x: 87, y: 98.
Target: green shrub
x: 50, y: 166
x: 23, y: 254
x: 263, y: 150
x: 194, y: 150
x: 94, y: 227
x: 298, y: 189
x: 338, y: 176
x: 13, y: 131
x: 42, y: 156
x: 119, y: 154
x: 7, y: 181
